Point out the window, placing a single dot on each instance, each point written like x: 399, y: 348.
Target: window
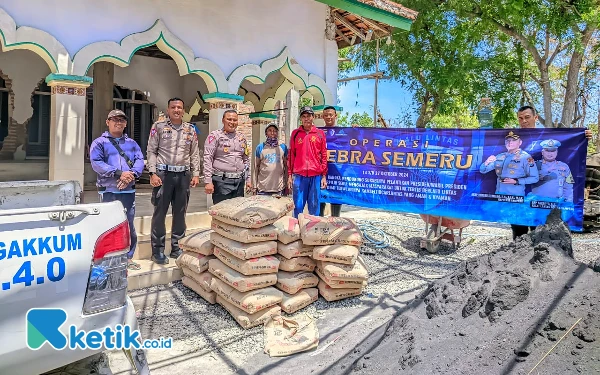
x: 136, y: 106
x: 38, y: 129
x: 4, y: 120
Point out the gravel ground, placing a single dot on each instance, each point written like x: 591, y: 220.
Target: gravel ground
x: 401, y: 267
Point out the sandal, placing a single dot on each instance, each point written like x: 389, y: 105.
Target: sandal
x: 133, y: 266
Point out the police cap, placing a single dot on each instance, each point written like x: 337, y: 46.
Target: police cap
x: 512, y: 135
x: 550, y: 144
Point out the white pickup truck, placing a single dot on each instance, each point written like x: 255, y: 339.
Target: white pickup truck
x: 60, y: 255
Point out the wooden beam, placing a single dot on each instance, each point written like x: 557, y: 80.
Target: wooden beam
x: 372, y: 25
x: 350, y: 26
x: 341, y: 34
x: 378, y: 75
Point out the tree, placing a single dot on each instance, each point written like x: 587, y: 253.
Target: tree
x: 447, y: 62
x: 556, y: 34
x: 363, y: 120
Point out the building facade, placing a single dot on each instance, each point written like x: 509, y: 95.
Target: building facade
x: 64, y: 65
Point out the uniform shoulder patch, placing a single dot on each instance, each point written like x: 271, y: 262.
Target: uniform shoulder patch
x: 570, y: 179
x: 210, y: 139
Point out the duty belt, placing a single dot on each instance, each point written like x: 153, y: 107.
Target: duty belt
x: 228, y: 174
x: 172, y: 168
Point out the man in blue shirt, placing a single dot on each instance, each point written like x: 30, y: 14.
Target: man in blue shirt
x: 118, y: 161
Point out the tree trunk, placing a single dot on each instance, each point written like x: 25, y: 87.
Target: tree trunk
x: 429, y: 108
x: 568, y: 113
x: 547, y: 93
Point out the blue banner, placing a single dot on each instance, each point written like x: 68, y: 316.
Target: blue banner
x: 513, y: 176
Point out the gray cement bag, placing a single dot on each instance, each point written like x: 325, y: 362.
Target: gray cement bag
x: 294, y: 302
x: 244, y: 235
x: 331, y: 294
x: 248, y: 320
x: 345, y: 254
x: 295, y: 249
x: 210, y: 297
x: 296, y: 264
x: 203, y: 279
x: 237, y: 280
x: 292, y: 282
x: 287, y: 336
x: 341, y: 284
x: 336, y: 271
x: 255, y: 266
x: 242, y: 250
x: 194, y: 261
x: 255, y: 211
x: 316, y: 230
x: 288, y: 229
x: 250, y: 302
x: 198, y: 242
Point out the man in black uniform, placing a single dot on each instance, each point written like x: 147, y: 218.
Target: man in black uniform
x: 174, y: 166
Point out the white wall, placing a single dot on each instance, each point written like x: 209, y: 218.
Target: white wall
x: 26, y: 70
x: 227, y: 32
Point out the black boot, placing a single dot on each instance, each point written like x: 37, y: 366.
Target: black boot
x: 159, y: 257
x: 175, y: 253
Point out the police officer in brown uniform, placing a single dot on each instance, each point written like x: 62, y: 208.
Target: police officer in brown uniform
x: 226, y: 162
x: 174, y: 166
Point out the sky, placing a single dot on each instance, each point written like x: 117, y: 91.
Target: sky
x: 358, y: 97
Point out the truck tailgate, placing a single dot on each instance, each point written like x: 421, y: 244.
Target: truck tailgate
x: 45, y: 262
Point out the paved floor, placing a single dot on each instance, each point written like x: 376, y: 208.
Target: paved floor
x: 143, y: 206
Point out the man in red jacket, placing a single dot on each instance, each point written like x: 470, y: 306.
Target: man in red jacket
x: 307, y: 161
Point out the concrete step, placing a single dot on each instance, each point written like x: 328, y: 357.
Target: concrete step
x: 153, y: 274
x: 195, y: 221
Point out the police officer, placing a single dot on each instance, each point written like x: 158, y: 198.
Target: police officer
x: 174, y: 166
x: 226, y: 162
x: 514, y: 168
x: 556, y: 180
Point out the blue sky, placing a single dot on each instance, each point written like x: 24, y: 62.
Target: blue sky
x: 358, y: 96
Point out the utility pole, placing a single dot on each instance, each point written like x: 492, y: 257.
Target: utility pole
x: 376, y: 84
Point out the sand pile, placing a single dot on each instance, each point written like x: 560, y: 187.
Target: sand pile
x: 500, y: 313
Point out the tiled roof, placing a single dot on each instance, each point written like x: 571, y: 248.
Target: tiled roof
x: 392, y: 7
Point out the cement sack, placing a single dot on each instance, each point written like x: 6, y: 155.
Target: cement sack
x: 295, y: 249
x: 250, y: 302
x: 210, y: 297
x: 330, y: 294
x: 341, y: 284
x: 203, y: 279
x: 288, y: 229
x: 198, y: 242
x: 194, y: 261
x: 244, y: 235
x: 316, y: 230
x: 286, y: 336
x: 296, y: 264
x: 248, y: 320
x: 294, y: 302
x: 256, y: 266
x: 256, y: 211
x: 242, y: 250
x: 336, y: 271
x: 237, y: 280
x: 344, y: 254
x: 292, y: 282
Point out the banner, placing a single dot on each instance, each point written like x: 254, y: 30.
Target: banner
x: 513, y: 176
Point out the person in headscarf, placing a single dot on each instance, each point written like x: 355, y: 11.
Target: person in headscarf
x: 270, y: 166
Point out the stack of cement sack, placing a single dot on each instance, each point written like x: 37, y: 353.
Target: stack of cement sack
x: 295, y: 277
x: 245, y: 270
x: 336, y: 242
x: 197, y: 252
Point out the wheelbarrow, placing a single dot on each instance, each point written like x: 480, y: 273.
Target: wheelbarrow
x: 438, y: 228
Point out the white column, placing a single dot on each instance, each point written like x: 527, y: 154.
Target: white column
x: 218, y: 104
x: 67, y: 127
x: 292, y: 115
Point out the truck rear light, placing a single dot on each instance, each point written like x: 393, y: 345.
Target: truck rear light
x: 107, y: 284
x: 113, y: 240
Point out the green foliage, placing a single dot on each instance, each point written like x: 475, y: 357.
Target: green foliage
x: 594, y: 142
x: 363, y: 120
x: 304, y: 102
